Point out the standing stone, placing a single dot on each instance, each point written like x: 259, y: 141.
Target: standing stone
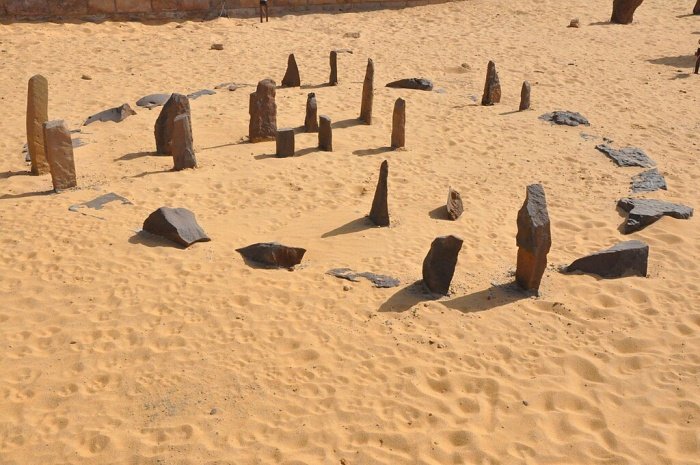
x: 455, y: 208
x: 367, y: 94
x: 333, y: 79
x: 311, y: 120
x: 623, y: 11
x: 37, y: 115
x: 380, y: 206
x: 325, y: 134
x: 291, y: 77
x: 182, y: 145
x: 398, y: 127
x: 534, y: 238
x: 439, y: 265
x: 59, y: 152
x: 285, y: 143
x: 525, y: 97
x: 176, y: 105
x: 492, y: 88
x: 263, y: 112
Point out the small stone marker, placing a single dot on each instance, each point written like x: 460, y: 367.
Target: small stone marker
x: 367, y: 94
x: 492, y: 88
x: 454, y: 204
x: 648, y: 181
x: 115, y: 115
x: 534, y: 238
x: 291, y: 77
x: 643, y: 212
x: 311, y: 120
x: 380, y: 206
x: 398, y: 127
x: 525, y: 97
x: 325, y: 134
x: 273, y: 254
x: 59, y: 152
x: 181, y: 145
x: 285, y: 143
x: 412, y: 83
x: 439, y: 265
x: 333, y: 79
x: 263, y: 112
x: 37, y: 115
x: 176, y: 105
x: 175, y: 224
x: 217, y: 46
x: 627, y: 156
x: 623, y: 259
x: 575, y: 23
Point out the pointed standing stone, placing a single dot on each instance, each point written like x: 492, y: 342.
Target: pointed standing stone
x: 454, y: 204
x: 285, y: 143
x: 398, y: 127
x: 311, y: 120
x: 380, y: 206
x: 182, y: 145
x: 291, y: 77
x: 439, y: 265
x: 333, y: 79
x: 59, y: 152
x: 263, y: 112
x: 367, y: 94
x: 525, y: 97
x: 534, y: 238
x: 325, y: 134
x: 37, y: 115
x: 176, y: 105
x: 492, y: 88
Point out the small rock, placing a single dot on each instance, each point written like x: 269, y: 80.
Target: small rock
x: 455, y: 208
x: 217, y: 46
x: 575, y: 23
x: 352, y: 35
x: 649, y: 181
x: 346, y: 288
x: 623, y: 259
x: 525, y: 96
x: 176, y: 224
x: 567, y: 118
x: 273, y: 254
x: 325, y: 134
x: 213, y: 411
x: 412, y: 83
x: 643, y: 212
x: 153, y: 100
x: 117, y: 115
x: 378, y: 280
x: 199, y: 93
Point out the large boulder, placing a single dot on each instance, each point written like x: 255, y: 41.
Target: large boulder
x: 291, y: 77
x: 643, y: 212
x: 439, y: 265
x: 534, y: 239
x: 273, y: 254
x: 175, y: 224
x: 623, y: 259
x: 263, y: 112
x: 176, y: 105
x: 59, y: 153
x: 379, y: 214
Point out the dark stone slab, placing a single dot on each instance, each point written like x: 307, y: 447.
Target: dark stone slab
x: 175, y: 224
x: 565, y: 118
x: 100, y: 202
x: 311, y: 119
x: 525, y: 96
x: 285, y: 143
x: 325, y: 134
x: 627, y: 156
x: 176, y: 105
x: 412, y: 83
x: 379, y: 214
x: 153, y: 100
x: 273, y: 254
x: 534, y: 238
x: 643, y: 212
x: 439, y: 265
x: 117, y: 115
x: 623, y: 259
x: 367, y: 94
x: 649, y: 181
x: 182, y: 146
x: 291, y: 77
x: 492, y: 87
x: 199, y: 93
x: 263, y: 112
x: 398, y: 124
x: 377, y: 280
x: 455, y: 208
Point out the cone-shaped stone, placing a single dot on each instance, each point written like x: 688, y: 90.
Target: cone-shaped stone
x: 291, y: 77
x: 454, y: 204
x: 263, y: 112
x: 273, y: 254
x: 176, y: 105
x: 59, y: 152
x: 367, y: 94
x: 182, y: 145
x: 623, y: 259
x: 439, y: 265
x: 525, y: 97
x: 380, y: 205
x: 398, y: 126
x: 176, y: 224
x: 37, y: 115
x: 534, y: 238
x: 623, y: 11
x: 325, y: 134
x: 333, y: 79
x: 285, y: 143
x: 492, y: 88
x: 311, y: 120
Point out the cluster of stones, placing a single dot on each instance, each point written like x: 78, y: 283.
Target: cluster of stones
x: 492, y: 89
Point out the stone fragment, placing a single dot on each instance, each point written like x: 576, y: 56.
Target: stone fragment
x: 439, y: 265
x: 291, y: 77
x: 59, y: 153
x: 533, y: 239
x: 325, y: 134
x: 696, y: 9
x: 217, y: 46
x: 333, y: 79
x: 627, y: 156
x: 116, y: 115
x: 311, y: 119
x: 412, y: 83
x: 398, y: 126
x: 377, y: 280
x: 176, y: 105
x: 263, y: 112
x: 648, y: 181
x: 153, y: 100
x: 379, y: 214
x: 454, y: 204
x: 199, y: 93
x: 492, y: 87
x: 181, y: 144
x: 565, y: 118
x: 525, y: 97
x: 623, y: 259
x: 285, y: 143
x: 643, y: 212
x: 575, y: 23
x: 175, y: 224
x: 37, y: 115
x: 273, y: 254
x: 352, y: 35
x: 367, y: 94
x: 86, y: 77
x: 623, y: 11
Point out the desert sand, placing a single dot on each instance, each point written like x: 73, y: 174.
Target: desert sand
x: 118, y: 349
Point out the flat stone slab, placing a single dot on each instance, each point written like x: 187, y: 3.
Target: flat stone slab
x: 628, y: 258
x: 648, y: 181
x: 100, y: 202
x: 116, y: 115
x: 565, y: 118
x: 412, y: 83
x: 153, y: 100
x: 199, y: 93
x: 626, y: 156
x: 273, y: 254
x: 176, y: 224
x: 377, y: 280
x: 643, y: 212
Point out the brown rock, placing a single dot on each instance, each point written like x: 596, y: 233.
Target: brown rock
x: 534, y: 238
x: 285, y: 143
x: 439, y: 265
x: 175, y: 224
x: 176, y: 105
x: 273, y: 254
x: 37, y: 115
x: 311, y: 120
x: 59, y: 152
x: 333, y: 79
x: 575, y: 23
x: 263, y: 112
x: 454, y: 204
x: 291, y: 77
x: 380, y: 205
x: 181, y: 144
x: 696, y: 10
x: 116, y: 115
x: 492, y: 88
x: 623, y: 11
x: 367, y: 94
x: 325, y: 134
x: 398, y: 126
x: 525, y: 97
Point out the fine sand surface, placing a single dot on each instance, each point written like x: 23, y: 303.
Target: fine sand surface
x: 119, y: 349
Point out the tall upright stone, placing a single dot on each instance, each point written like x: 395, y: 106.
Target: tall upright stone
x: 325, y: 134
x: 291, y: 77
x: 534, y: 238
x: 398, y: 126
x: 333, y: 79
x: 492, y: 88
x: 285, y: 143
x: 176, y: 105
x: 623, y: 11
x: 37, y: 115
x: 263, y: 112
x: 182, y: 144
x: 379, y: 214
x: 525, y: 97
x: 59, y: 153
x: 367, y: 94
x: 439, y: 265
x: 311, y: 120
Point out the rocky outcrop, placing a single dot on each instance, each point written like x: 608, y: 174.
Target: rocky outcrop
x: 648, y: 181
x: 565, y: 118
x: 627, y: 156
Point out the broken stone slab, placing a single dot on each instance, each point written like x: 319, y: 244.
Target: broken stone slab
x: 37, y: 115
x: 455, y: 208
x: 333, y: 79
x: 199, y: 93
x: 565, y: 118
x: 59, y: 153
x: 176, y: 105
x: 263, y: 112
x: 439, y: 265
x: 101, y: 201
x: 153, y: 100
x: 398, y: 125
x: 116, y: 115
x: 291, y: 76
x: 412, y: 83
x: 628, y: 258
x: 534, y: 239
x: 379, y: 214
x: 273, y: 254
x: 325, y: 134
x: 377, y: 280
x: 285, y: 143
x: 311, y: 119
x: 525, y: 97
x: 492, y: 87
x: 627, y: 156
x: 175, y: 224
x: 181, y: 144
x: 367, y: 94
x: 648, y: 181
x: 643, y: 212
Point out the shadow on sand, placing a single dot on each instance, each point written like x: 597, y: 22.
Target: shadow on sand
x: 357, y: 225
x: 376, y: 151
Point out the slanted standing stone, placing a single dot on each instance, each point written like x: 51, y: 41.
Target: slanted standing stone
x: 367, y: 94
x: 333, y: 79
x: 285, y: 143
x: 263, y: 112
x: 454, y: 204
x: 325, y: 134
x: 311, y: 120
x: 525, y: 97
x: 534, y: 239
x: 37, y: 115
x: 492, y: 88
x: 59, y: 152
x: 439, y: 265
x: 175, y: 224
x: 182, y: 145
x: 398, y: 128
x: 380, y: 205
x: 176, y: 105
x: 623, y: 259
x: 291, y: 77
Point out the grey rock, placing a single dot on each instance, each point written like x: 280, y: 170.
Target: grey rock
x: 325, y: 134
x: 116, y: 115
x: 492, y: 87
x: 59, y: 153
x: 379, y: 214
x: 199, y: 93
x: 285, y: 143
x: 440, y: 262
x: 273, y: 254
x: 412, y: 83
x: 623, y: 259
x: 367, y: 94
x: 648, y: 181
x: 175, y: 224
x: 377, y: 280
x: 643, y: 212
x: 455, y: 208
x: 565, y: 118
x: 627, y: 156
x: 176, y: 105
x: 534, y: 239
x: 153, y: 100
x: 291, y: 77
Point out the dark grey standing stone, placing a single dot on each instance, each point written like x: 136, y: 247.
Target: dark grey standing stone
x: 378, y: 280
x: 116, y: 115
x: 492, y: 87
x: 175, y: 224
x: 398, y: 126
x: 367, y: 94
x: 285, y: 143
x: 623, y: 259
x: 648, y: 181
x: 534, y: 238
x: 333, y: 79
x: 627, y: 156
x: 153, y: 100
x: 565, y: 118
x: 176, y: 105
x: 311, y: 120
x: 182, y: 145
x: 37, y: 115
x: 59, y: 153
x: 643, y: 212
x: 454, y: 204
x: 263, y: 112
x: 291, y: 77
x: 439, y: 265
x: 412, y: 83
x: 325, y: 134
x: 525, y: 97
x: 380, y: 205
x: 273, y: 254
